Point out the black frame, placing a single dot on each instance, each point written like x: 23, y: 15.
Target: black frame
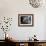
x: 25, y: 15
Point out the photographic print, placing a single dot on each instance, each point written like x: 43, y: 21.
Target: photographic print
x: 25, y: 19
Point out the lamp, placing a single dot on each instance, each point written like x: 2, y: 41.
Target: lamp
x: 36, y: 3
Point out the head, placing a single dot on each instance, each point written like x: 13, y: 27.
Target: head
x: 34, y: 35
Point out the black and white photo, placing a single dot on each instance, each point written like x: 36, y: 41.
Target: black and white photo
x: 25, y: 19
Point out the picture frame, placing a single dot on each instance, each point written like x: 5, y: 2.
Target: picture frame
x: 25, y: 20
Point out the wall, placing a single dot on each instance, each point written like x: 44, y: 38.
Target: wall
x: 11, y: 8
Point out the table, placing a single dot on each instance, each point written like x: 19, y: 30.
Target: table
x: 27, y: 42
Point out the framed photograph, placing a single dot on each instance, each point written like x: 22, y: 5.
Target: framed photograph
x: 25, y: 19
